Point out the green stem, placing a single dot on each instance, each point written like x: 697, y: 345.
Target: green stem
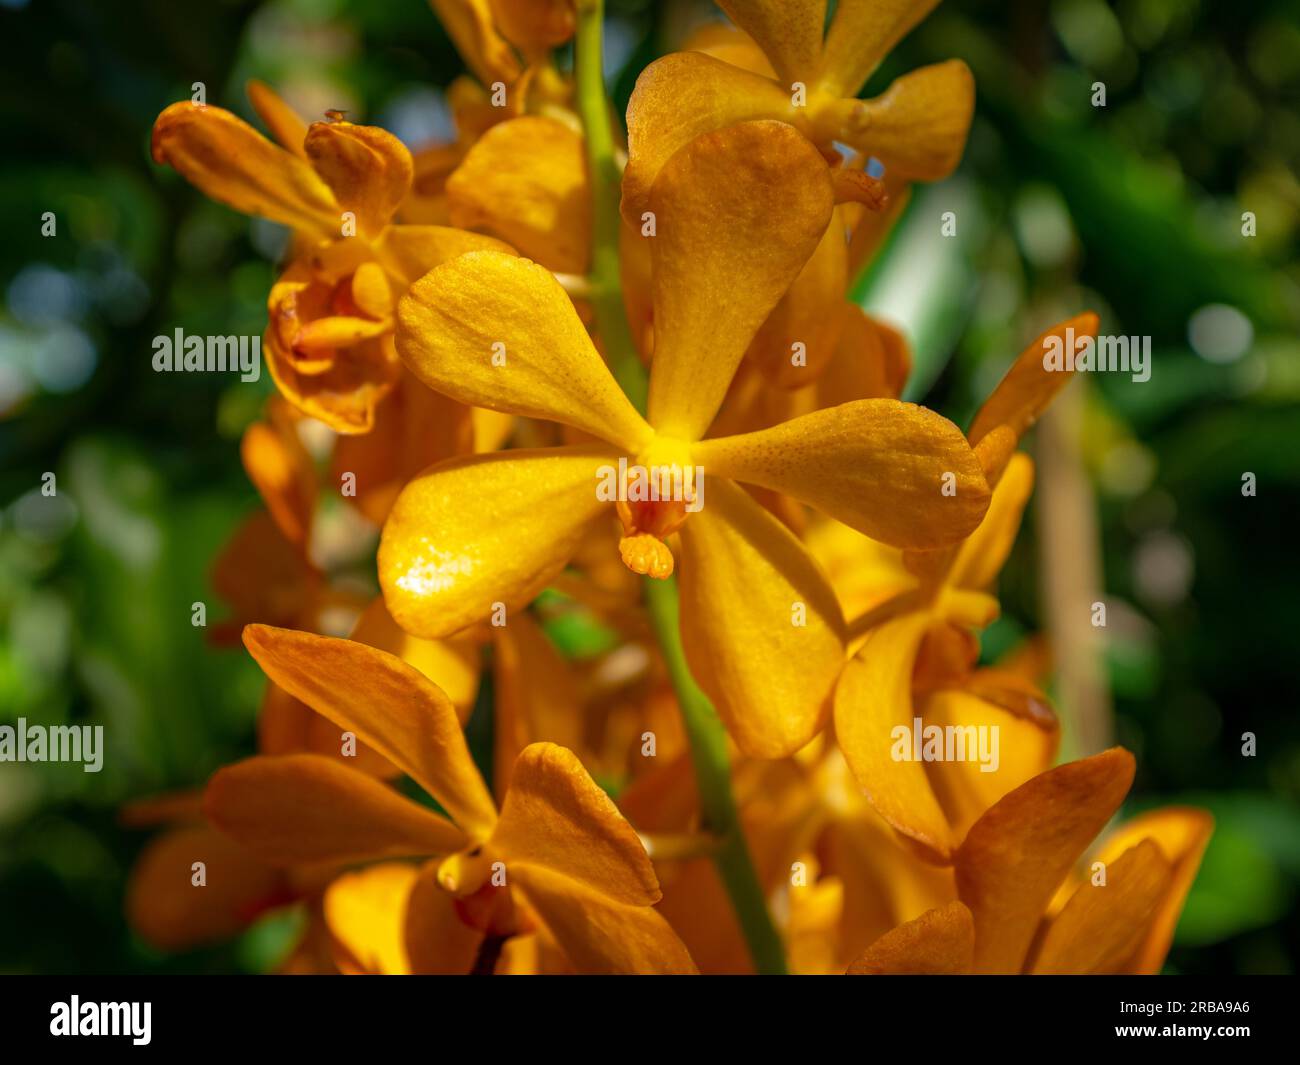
x: 606, y: 180
x: 708, y: 739
x: 708, y: 742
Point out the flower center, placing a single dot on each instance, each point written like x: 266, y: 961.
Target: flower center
x: 655, y: 496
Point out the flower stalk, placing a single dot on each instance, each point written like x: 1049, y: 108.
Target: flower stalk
x: 704, y: 730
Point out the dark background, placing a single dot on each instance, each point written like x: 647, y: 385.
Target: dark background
x: 1132, y: 209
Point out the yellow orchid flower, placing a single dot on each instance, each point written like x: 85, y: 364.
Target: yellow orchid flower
x: 329, y: 344
x: 917, y: 661
x: 1118, y: 919
x: 558, y: 844
x: 917, y: 128
x: 471, y: 533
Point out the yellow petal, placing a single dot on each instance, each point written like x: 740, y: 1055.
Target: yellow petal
x: 862, y: 33
x: 1103, y: 925
x: 918, y: 126
x: 300, y: 809
x: 1014, y: 856
x: 473, y: 532
x: 536, y: 693
x: 1025, y: 746
x: 738, y: 213
x: 981, y: 556
x: 808, y: 315
x: 364, y: 912
x: 1182, y: 833
x: 286, y: 126
x: 387, y: 703
x: 872, y: 702
x: 452, y: 664
x: 525, y: 180
x: 878, y: 465
x: 439, y: 942
x: 679, y: 97
x: 496, y: 331
x: 165, y: 908
x: 367, y: 168
x: 557, y: 818
x: 410, y: 252
x: 1027, y: 389
x: 230, y: 161
x: 940, y: 942
x: 470, y: 26
x: 599, y: 934
x: 790, y: 33
x: 761, y: 627
x: 534, y: 26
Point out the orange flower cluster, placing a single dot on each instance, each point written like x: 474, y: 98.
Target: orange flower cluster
x: 786, y: 704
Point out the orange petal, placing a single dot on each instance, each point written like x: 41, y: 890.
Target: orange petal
x: 861, y: 34
x: 1103, y: 925
x: 301, y: 809
x: 364, y: 912
x: 790, y: 33
x: 534, y: 26
x: 286, y: 126
x: 738, y: 214
x: 438, y: 941
x: 1182, y: 833
x: 387, y: 703
x: 1014, y: 856
x: 231, y: 162
x: 367, y: 168
x: 557, y: 818
x: 170, y: 913
x: 599, y: 934
x: 525, y: 180
x: 897, y: 472
x: 1027, y: 389
x: 470, y: 26
x: 981, y: 556
x: 872, y: 703
x: 679, y: 97
x: 284, y: 475
x: 497, y: 331
x: 761, y: 627
x: 940, y: 942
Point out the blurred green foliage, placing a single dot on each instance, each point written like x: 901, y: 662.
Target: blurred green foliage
x: 1133, y: 209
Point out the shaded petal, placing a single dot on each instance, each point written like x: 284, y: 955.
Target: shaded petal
x: 918, y: 126
x: 861, y: 35
x: 745, y: 580
x: 939, y: 942
x: 470, y: 26
x: 877, y: 465
x: 981, y: 556
x: 738, y: 214
x: 679, y: 97
x: 165, y: 908
x: 285, y: 124
x: 301, y: 809
x: 410, y: 251
x: 534, y: 26
x: 389, y: 704
x: 476, y: 531
x: 367, y: 168
x: 438, y: 941
x: 283, y: 472
x: 873, y: 701
x: 790, y: 33
x: 557, y: 818
x: 1026, y: 390
x: 453, y: 323
x: 599, y: 934
x: 364, y: 912
x: 1014, y: 856
x: 231, y: 162
x: 1102, y: 925
x: 1182, y: 833
x: 526, y: 181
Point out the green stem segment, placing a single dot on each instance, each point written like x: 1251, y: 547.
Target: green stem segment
x: 708, y: 739
x: 606, y: 180
x: 712, y: 764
